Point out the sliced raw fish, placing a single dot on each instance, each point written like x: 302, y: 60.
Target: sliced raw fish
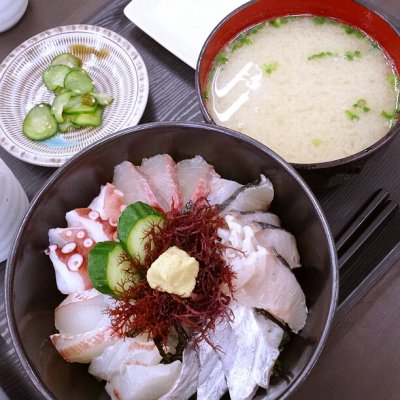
x: 82, y: 312
x: 133, y: 184
x: 221, y: 189
x: 84, y: 347
x: 252, y: 197
x: 140, y: 382
x: 99, y: 230
x: 109, y: 203
x: 248, y: 350
x: 262, y: 279
x: 212, y: 382
x: 195, y: 176
x: 84, y: 334
x: 267, y: 235
x: 186, y: 383
x: 126, y: 351
x: 161, y: 173
x: 258, y: 216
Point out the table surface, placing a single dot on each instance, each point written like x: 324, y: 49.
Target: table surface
x: 362, y: 356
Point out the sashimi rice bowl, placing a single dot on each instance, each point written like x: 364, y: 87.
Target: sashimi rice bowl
x: 178, y: 280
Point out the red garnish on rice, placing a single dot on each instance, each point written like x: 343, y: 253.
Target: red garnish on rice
x: 143, y: 310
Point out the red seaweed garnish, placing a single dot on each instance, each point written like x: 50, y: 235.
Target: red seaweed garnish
x: 143, y: 310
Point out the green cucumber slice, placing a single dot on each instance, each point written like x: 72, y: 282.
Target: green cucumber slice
x: 106, y: 271
x: 59, y: 104
x: 64, y: 126
x: 103, y: 99
x: 133, y: 226
x: 80, y: 109
x: 94, y: 119
x: 54, y: 76
x: 67, y: 59
x: 39, y: 124
x: 79, y: 81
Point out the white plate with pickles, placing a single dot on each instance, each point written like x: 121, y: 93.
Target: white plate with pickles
x: 66, y: 88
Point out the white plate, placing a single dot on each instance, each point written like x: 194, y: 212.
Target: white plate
x: 114, y: 65
x: 181, y: 26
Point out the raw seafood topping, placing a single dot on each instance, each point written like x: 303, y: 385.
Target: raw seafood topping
x: 167, y: 270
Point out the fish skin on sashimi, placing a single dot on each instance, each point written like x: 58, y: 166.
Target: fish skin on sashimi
x: 195, y: 176
x: 134, y: 185
x: 161, y: 173
x: 221, y: 189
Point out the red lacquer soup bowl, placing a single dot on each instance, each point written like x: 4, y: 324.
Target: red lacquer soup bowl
x: 321, y: 174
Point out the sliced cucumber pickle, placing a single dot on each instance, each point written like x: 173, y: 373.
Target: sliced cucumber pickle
x: 79, y: 81
x: 40, y: 124
x: 107, y: 270
x: 134, y: 225
x: 54, y: 76
x: 103, y: 99
x: 94, y: 119
x: 59, y: 104
x: 67, y: 59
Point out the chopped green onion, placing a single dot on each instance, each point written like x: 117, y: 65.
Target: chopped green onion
x: 366, y: 109
x: 206, y: 95
x: 316, y: 142
x: 319, y: 20
x: 269, y: 68
x: 360, y: 103
x: 321, y: 55
x: 221, y: 59
x: 394, y: 81
x: 278, y: 22
x: 349, y: 56
x: 351, y: 31
x: 352, y: 116
x: 374, y: 45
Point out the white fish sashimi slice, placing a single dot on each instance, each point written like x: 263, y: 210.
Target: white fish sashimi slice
x: 221, y: 189
x: 283, y: 242
x: 161, y: 173
x: 258, y: 217
x: 212, y: 382
x: 257, y: 337
x: 109, y: 203
x: 126, y: 351
x: 194, y: 177
x: 139, y: 382
x: 268, y: 236
x: 84, y: 330
x: 186, y: 383
x: 264, y: 281
x: 236, y: 362
x: 85, y: 218
x: 133, y: 184
x: 252, y: 197
x: 82, y: 312
x: 84, y: 347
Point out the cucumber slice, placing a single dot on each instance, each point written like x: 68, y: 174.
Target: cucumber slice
x: 106, y: 271
x: 88, y: 99
x: 79, y: 81
x: 64, y: 126
x: 67, y: 59
x: 59, y: 104
x: 103, y: 99
x: 80, y: 109
x: 133, y: 226
x: 53, y: 76
x: 94, y: 119
x: 39, y: 124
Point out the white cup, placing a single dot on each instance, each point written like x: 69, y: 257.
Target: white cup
x: 13, y: 206
x: 11, y: 12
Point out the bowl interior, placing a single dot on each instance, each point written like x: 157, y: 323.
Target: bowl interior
x: 257, y: 11
x: 31, y: 292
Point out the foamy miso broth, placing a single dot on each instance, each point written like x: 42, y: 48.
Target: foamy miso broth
x: 310, y: 88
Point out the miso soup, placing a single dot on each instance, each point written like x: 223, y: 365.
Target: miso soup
x: 310, y: 88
